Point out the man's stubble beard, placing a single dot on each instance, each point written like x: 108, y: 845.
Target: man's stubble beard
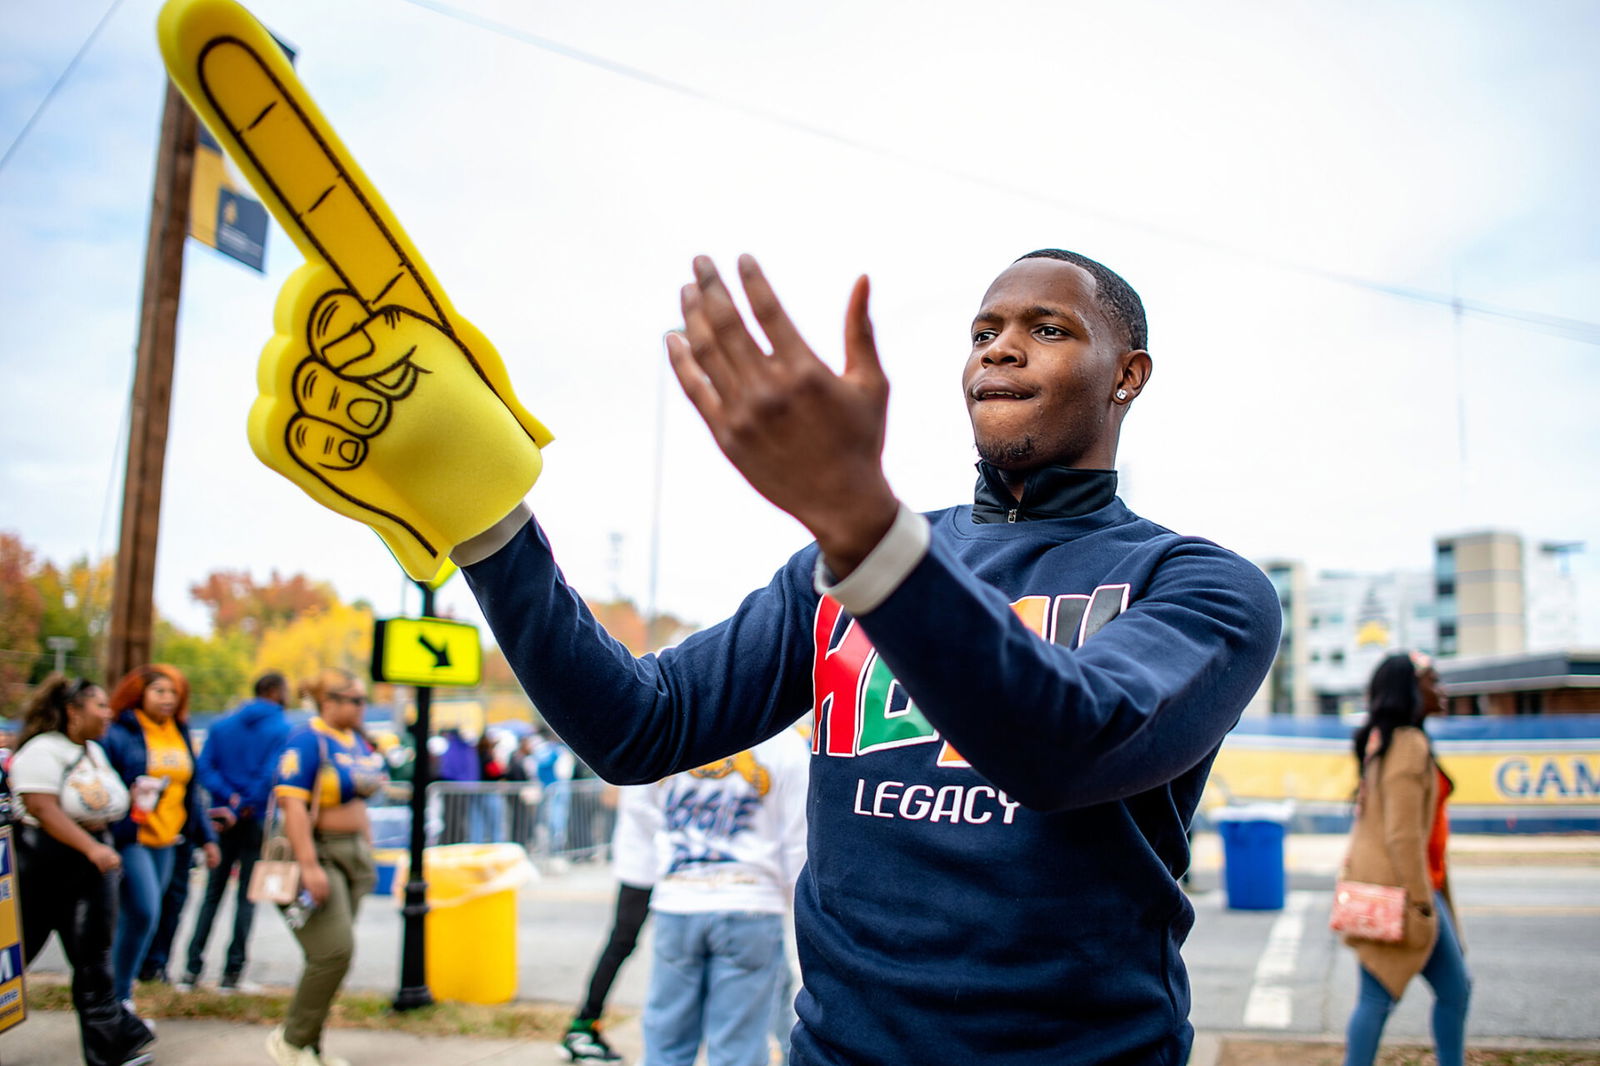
x: 1007, y: 454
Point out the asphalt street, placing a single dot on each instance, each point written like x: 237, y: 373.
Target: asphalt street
x: 1531, y: 923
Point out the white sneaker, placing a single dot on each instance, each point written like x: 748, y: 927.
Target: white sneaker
x: 240, y: 987
x: 127, y: 1005
x: 286, y: 1054
x: 280, y: 1050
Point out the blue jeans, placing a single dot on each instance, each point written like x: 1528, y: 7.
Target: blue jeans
x: 557, y: 804
x: 145, y: 873
x: 176, y: 897
x: 486, y: 818
x: 715, y: 978
x: 784, y: 1019
x: 1446, y: 971
x: 240, y: 845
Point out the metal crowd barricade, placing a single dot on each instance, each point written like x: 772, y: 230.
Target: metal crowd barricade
x: 569, y: 820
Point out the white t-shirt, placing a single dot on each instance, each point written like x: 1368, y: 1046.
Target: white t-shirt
x: 79, y: 776
x: 729, y: 836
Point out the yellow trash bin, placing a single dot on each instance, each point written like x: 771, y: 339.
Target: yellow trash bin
x: 472, y: 920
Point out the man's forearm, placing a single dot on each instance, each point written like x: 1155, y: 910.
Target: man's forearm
x: 638, y: 720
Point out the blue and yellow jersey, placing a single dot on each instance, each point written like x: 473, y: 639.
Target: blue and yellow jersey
x: 339, y: 763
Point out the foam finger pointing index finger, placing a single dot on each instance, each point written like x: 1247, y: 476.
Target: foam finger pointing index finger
x: 240, y: 82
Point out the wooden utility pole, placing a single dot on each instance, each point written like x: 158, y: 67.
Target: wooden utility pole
x: 133, y: 592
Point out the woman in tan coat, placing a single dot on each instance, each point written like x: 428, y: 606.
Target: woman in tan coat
x: 1399, y: 838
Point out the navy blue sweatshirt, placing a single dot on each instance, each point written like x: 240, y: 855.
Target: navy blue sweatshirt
x: 1008, y: 752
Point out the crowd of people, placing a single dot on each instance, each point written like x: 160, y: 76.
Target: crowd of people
x: 112, y: 803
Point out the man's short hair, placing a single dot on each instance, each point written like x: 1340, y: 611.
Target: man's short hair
x: 271, y: 682
x: 1114, y: 295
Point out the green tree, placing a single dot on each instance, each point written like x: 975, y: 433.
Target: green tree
x: 77, y: 604
x: 217, y: 666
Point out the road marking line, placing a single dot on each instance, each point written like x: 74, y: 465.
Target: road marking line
x: 1271, y: 1002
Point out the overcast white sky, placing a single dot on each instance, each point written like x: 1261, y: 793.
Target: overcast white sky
x: 1218, y: 155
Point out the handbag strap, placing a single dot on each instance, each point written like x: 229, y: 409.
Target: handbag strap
x: 316, y: 795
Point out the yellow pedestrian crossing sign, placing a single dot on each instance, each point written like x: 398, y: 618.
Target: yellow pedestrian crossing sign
x: 426, y: 651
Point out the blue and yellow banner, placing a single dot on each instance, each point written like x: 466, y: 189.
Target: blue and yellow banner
x: 222, y: 213
x: 1537, y: 773
x: 13, y: 1001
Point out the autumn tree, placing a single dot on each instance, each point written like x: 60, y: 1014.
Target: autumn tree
x: 339, y: 635
x: 293, y: 624
x: 622, y: 619
x: 239, y: 605
x: 21, y: 611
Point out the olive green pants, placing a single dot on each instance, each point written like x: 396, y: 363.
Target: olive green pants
x: 328, y: 938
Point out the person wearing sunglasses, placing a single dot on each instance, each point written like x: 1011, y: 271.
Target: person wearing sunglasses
x: 326, y: 772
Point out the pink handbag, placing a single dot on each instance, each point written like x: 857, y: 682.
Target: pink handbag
x: 1369, y: 912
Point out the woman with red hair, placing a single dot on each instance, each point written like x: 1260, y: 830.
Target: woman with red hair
x: 148, y: 745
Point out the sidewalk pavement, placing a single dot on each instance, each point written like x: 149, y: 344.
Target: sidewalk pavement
x: 44, y: 1039
x: 585, y: 890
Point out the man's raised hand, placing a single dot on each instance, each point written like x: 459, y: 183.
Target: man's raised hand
x: 808, y: 439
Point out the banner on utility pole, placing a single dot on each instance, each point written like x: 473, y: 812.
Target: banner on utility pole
x: 222, y: 213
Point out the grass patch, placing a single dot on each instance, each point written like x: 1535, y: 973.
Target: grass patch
x: 352, y: 1010
x: 1288, y: 1053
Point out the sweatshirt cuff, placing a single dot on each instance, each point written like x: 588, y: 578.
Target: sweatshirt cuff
x: 883, y: 570
x: 477, y: 549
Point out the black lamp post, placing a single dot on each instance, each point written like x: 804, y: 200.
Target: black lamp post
x: 414, y: 991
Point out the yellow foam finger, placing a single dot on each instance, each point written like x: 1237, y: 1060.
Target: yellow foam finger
x: 347, y: 404
x: 242, y: 86
x: 325, y: 445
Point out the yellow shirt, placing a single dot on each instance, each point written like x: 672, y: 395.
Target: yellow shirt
x: 167, y: 757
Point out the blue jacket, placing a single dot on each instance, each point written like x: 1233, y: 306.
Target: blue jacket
x: 1008, y: 751
x: 124, y: 746
x: 240, y: 759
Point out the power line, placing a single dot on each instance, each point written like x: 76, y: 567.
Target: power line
x: 60, y: 81
x: 1570, y: 328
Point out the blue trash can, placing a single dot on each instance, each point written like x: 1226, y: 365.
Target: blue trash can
x: 1252, y: 856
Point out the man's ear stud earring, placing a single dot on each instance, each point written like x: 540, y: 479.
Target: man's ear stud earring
x: 1122, y: 394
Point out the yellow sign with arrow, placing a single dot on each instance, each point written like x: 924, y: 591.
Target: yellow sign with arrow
x: 426, y: 651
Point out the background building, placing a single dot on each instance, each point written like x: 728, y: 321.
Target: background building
x: 1488, y: 598
x: 1479, y: 594
x: 1354, y: 620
